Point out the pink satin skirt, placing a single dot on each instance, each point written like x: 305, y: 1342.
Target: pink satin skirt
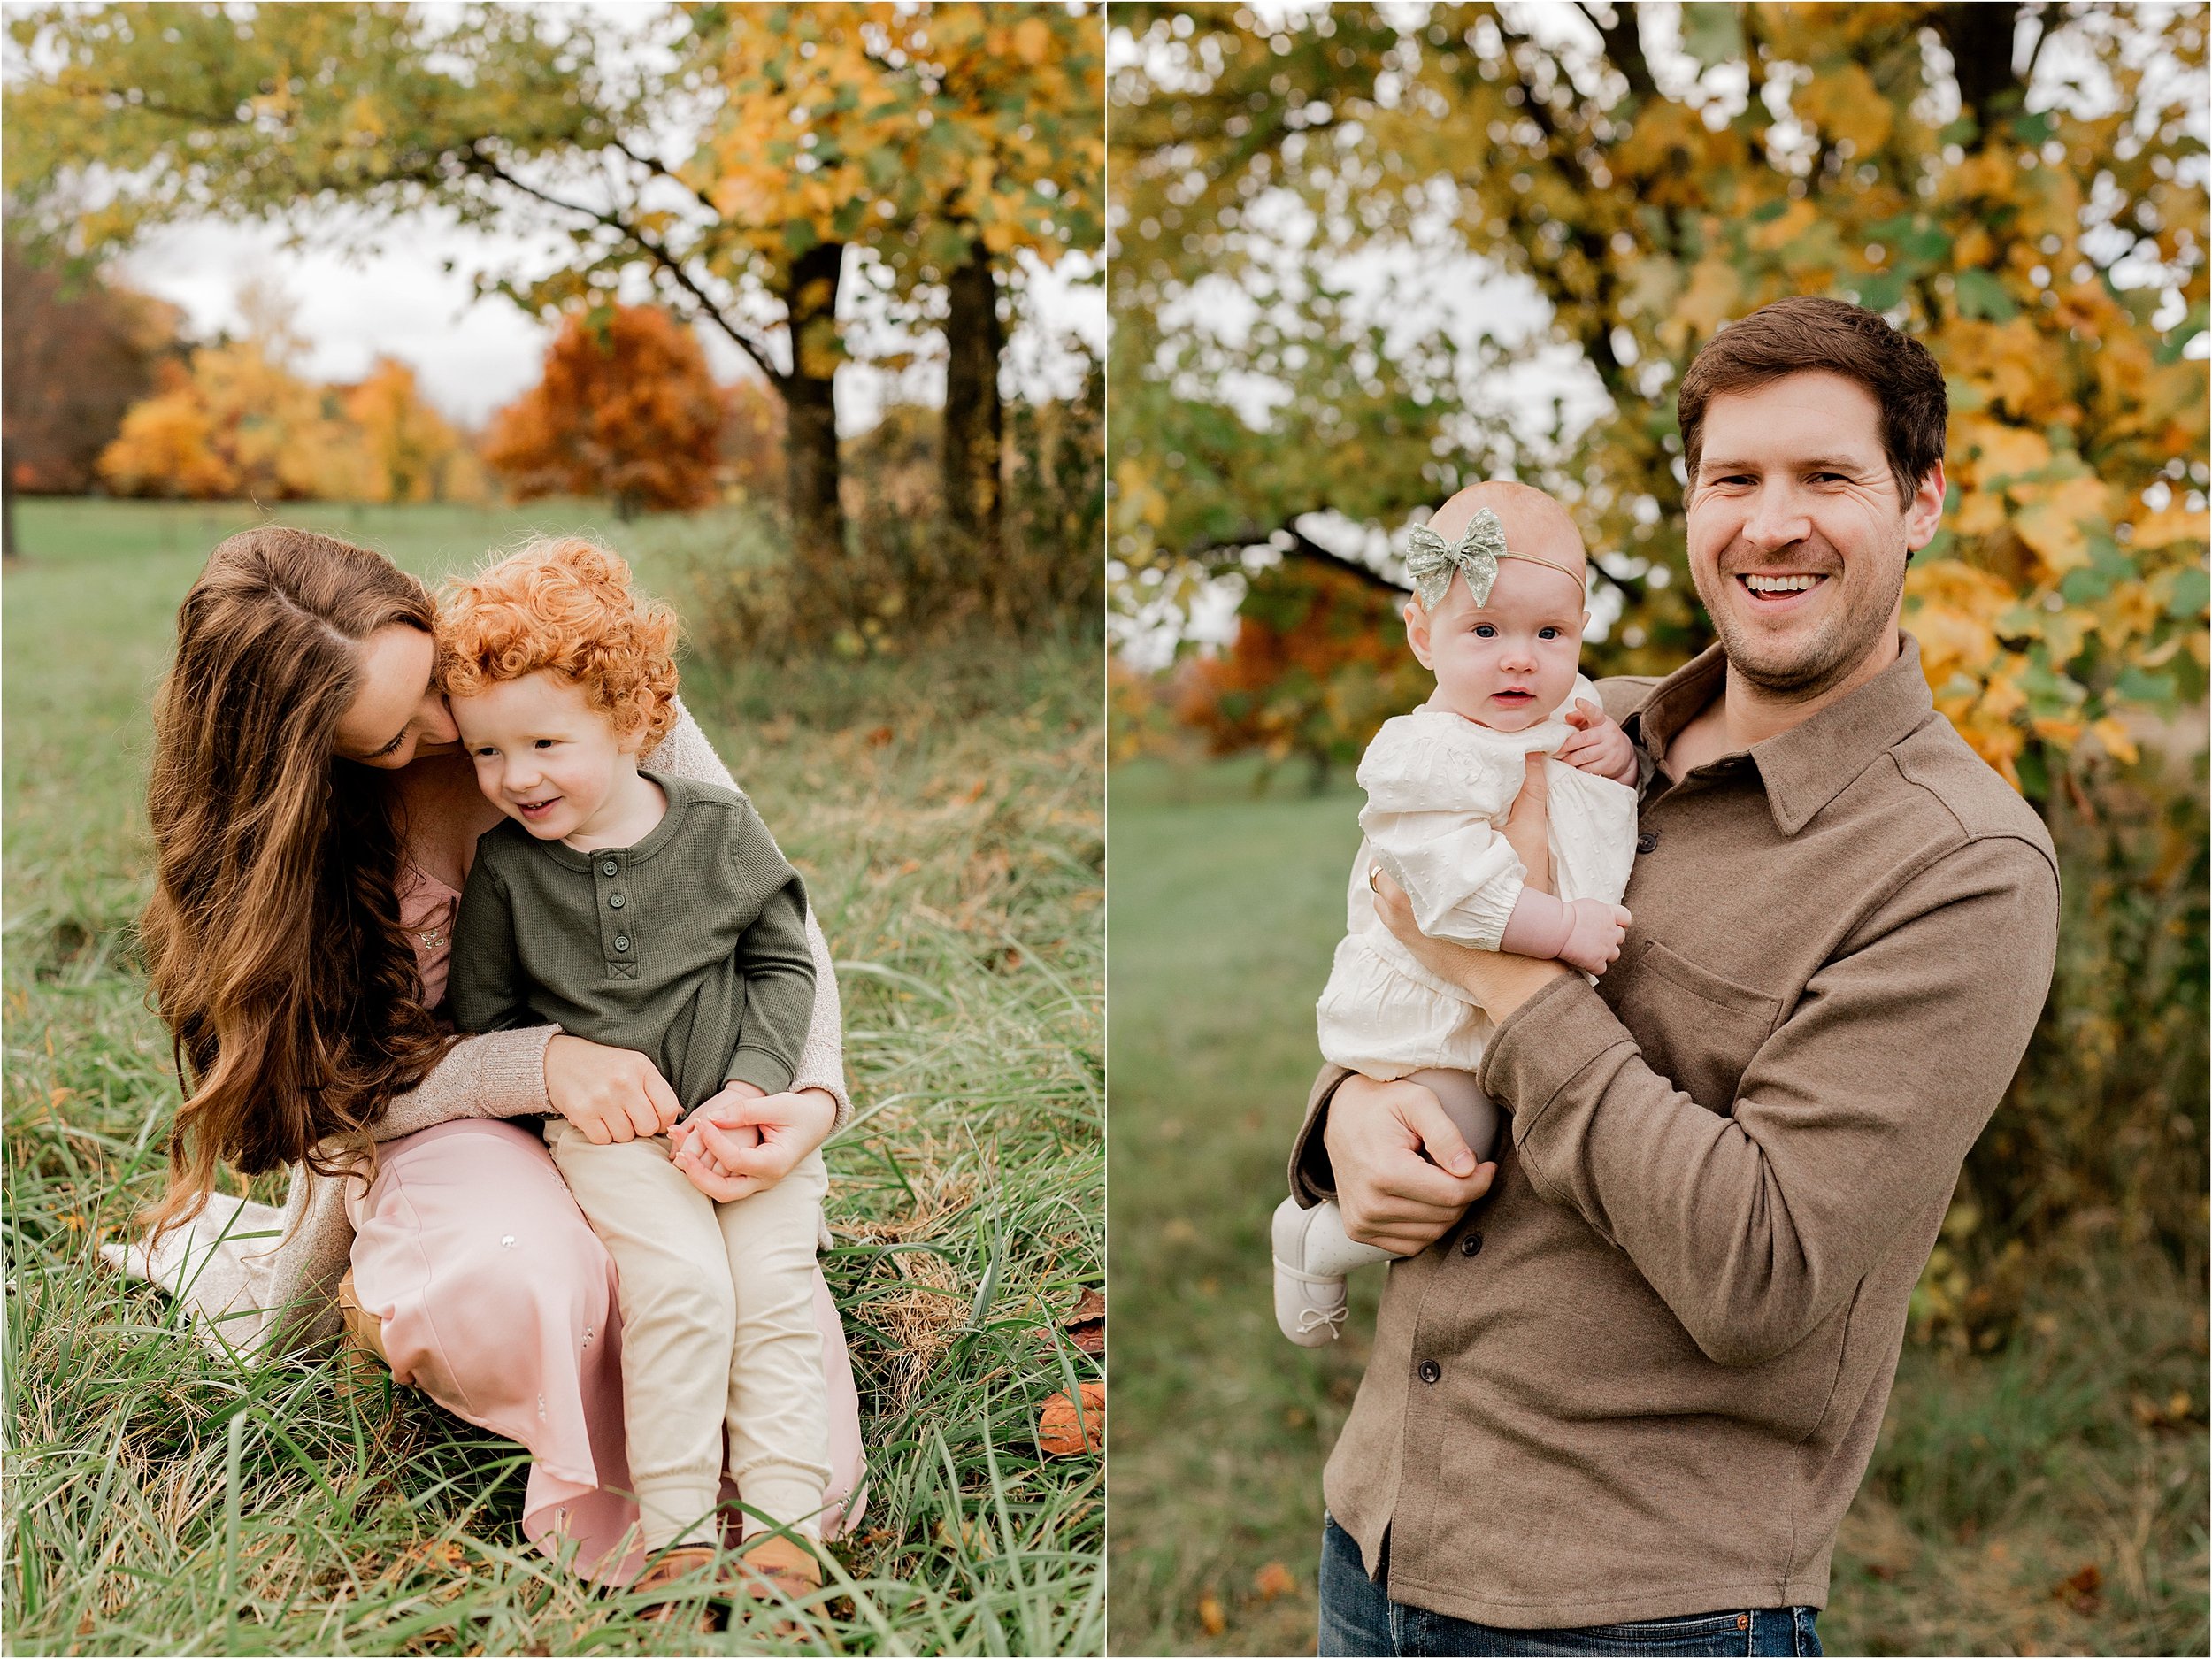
x: 498, y: 1302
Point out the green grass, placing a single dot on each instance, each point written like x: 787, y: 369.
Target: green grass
x: 947, y: 813
x: 1998, y: 1479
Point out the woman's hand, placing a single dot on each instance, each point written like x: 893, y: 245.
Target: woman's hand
x: 610, y: 1094
x: 1391, y: 1194
x: 735, y: 1146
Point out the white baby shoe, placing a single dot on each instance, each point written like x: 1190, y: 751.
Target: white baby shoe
x: 1312, y: 1256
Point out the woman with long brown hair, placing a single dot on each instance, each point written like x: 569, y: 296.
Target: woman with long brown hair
x: 313, y: 821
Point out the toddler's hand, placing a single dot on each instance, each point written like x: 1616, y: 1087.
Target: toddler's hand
x: 684, y: 1137
x: 1594, y: 932
x: 1599, y: 745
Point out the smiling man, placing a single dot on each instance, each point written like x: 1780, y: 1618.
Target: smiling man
x: 1621, y: 1404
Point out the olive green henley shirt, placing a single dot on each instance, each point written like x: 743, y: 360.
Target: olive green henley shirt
x: 1643, y: 1377
x: 689, y: 947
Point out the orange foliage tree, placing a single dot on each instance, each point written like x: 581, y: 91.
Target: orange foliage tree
x: 1319, y: 660
x: 627, y: 410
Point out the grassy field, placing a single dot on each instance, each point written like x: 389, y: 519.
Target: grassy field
x: 947, y: 813
x: 2047, y: 1498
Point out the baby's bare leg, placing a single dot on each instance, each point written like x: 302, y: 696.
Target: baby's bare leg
x: 1473, y: 1113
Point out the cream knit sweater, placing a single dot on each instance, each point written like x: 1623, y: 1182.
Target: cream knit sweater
x: 261, y: 1281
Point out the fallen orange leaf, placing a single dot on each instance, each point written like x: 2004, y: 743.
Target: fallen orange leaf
x: 1063, y: 1431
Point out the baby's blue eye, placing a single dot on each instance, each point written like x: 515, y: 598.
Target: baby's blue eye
x: 1486, y: 631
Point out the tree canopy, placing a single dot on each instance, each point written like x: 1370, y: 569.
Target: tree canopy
x: 2021, y: 186
x: 721, y: 160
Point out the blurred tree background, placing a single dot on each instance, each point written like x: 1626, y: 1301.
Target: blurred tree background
x: 1360, y: 256
x: 804, y: 181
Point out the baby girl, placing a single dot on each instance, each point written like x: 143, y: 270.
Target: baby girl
x: 1500, y: 579
x: 649, y: 912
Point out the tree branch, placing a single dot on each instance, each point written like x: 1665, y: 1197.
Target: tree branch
x: 1624, y: 45
x: 487, y: 167
x: 1301, y: 546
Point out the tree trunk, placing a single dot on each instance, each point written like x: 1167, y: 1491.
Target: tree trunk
x: 817, y: 517
x: 975, y: 418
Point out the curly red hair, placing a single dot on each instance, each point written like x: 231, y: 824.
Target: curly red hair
x: 564, y: 604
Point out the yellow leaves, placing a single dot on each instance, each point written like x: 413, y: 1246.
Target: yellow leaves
x: 2011, y: 362
x: 2002, y: 452
x: 2114, y: 736
x: 1981, y: 512
x: 2171, y: 525
x: 1033, y: 40
x: 1799, y: 217
x: 1950, y: 607
x: 1135, y: 500
x: 1988, y: 172
x: 2050, y: 521
x: 1845, y: 103
x: 1709, y: 301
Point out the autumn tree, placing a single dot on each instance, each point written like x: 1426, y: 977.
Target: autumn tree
x: 627, y: 410
x: 80, y: 350
x: 2022, y: 187
x: 237, y: 419
x: 728, y: 161
x: 941, y: 139
x: 410, y: 451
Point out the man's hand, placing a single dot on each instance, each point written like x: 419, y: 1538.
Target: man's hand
x: 736, y: 1146
x: 612, y: 1094
x: 1599, y: 745
x: 1390, y: 1194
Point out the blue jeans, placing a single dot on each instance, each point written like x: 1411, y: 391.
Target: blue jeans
x: 1358, y: 1616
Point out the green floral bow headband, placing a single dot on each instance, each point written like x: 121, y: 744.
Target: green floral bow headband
x: 1432, y: 560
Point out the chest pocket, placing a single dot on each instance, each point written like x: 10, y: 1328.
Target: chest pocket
x: 1695, y: 1028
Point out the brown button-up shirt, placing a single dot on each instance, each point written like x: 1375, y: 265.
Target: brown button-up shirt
x: 1643, y: 1377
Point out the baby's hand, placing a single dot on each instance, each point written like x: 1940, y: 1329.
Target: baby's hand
x: 1598, y: 745
x: 1594, y: 932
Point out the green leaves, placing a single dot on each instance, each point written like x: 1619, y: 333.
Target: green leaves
x: 1981, y: 295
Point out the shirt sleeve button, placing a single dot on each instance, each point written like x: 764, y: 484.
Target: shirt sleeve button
x: 1431, y: 1370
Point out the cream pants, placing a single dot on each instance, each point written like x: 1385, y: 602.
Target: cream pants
x: 718, y: 1331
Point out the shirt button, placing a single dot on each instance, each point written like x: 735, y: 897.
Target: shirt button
x: 614, y: 901
x: 1431, y: 1370
x: 610, y: 868
x: 1648, y: 841
x: 1471, y: 1245
x: 622, y: 942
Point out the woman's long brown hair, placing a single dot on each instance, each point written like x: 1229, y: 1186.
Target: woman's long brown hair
x: 273, y: 939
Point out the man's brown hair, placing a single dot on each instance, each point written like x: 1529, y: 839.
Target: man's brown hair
x: 1806, y: 332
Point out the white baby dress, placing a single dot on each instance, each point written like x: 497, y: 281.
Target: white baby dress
x: 1437, y: 787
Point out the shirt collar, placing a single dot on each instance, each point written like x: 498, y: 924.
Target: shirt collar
x: 1805, y: 767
